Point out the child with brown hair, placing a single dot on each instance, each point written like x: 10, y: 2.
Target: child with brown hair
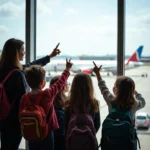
x: 59, y: 101
x: 118, y: 129
x: 125, y: 95
x: 35, y: 76
x: 82, y: 115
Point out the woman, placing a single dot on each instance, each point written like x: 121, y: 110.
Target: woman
x: 12, y: 54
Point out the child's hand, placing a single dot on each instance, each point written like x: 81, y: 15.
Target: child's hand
x: 96, y: 69
x: 68, y: 64
x: 55, y: 52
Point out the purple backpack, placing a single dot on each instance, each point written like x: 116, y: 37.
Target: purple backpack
x: 5, y: 106
x: 81, y: 133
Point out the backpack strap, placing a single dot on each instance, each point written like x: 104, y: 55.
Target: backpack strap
x: 136, y: 137
x: 4, y: 80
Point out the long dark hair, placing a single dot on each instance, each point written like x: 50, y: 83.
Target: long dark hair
x: 9, y: 56
x: 125, y: 87
x: 60, y: 97
x: 82, y: 94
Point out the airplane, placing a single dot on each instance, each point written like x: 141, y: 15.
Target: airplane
x: 136, y: 57
x: 87, y: 65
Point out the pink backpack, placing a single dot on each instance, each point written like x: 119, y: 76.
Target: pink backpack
x: 81, y: 133
x: 5, y: 106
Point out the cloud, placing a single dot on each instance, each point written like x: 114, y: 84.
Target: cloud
x: 43, y: 8
x: 88, y: 31
x: 3, y: 29
x: 145, y: 19
x: 138, y: 20
x: 52, y: 3
x: 72, y: 11
x: 81, y: 37
x: 136, y: 31
x: 15, y: 9
x: 11, y: 9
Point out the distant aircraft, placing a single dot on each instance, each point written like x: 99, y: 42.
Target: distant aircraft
x: 87, y: 65
x: 136, y: 57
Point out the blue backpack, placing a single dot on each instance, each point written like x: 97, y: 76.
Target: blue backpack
x: 118, y: 131
x: 60, y: 118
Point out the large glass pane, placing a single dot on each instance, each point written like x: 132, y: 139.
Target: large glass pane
x: 137, y: 45
x: 86, y: 30
x: 12, y: 25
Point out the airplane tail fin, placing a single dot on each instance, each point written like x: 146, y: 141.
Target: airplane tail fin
x: 136, y: 55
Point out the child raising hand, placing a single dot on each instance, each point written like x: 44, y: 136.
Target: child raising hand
x: 35, y: 77
x: 122, y: 104
x: 124, y: 96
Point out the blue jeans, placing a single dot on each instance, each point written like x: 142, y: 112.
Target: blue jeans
x: 46, y: 144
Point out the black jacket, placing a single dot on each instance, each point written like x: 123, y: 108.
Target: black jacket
x: 15, y: 87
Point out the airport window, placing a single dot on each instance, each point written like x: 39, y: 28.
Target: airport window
x: 12, y: 24
x: 137, y: 33
x: 137, y: 45
x: 85, y: 29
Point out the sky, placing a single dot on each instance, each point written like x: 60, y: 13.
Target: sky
x: 83, y: 27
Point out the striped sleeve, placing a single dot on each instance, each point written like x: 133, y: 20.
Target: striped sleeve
x: 108, y: 97
x: 140, y: 102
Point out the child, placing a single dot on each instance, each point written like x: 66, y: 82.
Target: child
x: 124, y: 91
x: 59, y: 134
x: 35, y: 76
x: 81, y: 101
x: 118, y: 129
x: 66, y: 87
